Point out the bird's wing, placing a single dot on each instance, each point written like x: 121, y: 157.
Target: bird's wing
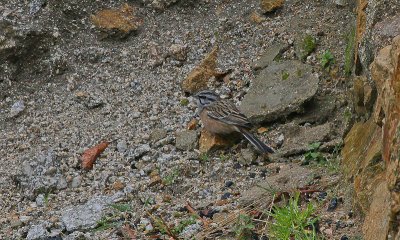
x: 225, y: 111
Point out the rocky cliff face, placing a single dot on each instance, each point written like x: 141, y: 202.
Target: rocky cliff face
x: 371, y: 152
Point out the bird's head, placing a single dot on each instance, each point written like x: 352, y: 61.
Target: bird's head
x: 205, y: 98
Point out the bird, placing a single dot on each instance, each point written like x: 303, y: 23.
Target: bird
x: 221, y: 117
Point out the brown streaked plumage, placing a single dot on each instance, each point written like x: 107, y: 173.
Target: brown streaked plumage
x: 220, y: 116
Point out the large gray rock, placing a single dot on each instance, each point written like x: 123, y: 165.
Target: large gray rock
x: 279, y: 90
x: 85, y: 216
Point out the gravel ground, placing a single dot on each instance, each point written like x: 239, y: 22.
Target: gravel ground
x: 128, y: 92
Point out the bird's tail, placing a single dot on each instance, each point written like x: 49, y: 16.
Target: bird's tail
x: 256, y: 142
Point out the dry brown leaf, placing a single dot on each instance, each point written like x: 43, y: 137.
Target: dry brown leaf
x: 90, y: 155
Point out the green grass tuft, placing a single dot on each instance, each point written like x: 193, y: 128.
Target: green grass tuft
x: 308, y: 46
x: 292, y: 222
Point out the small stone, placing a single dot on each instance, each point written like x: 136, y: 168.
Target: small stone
x: 226, y: 196
x: 158, y: 134
x: 178, y: 52
x: 17, y: 108
x: 186, y: 140
x: 341, y: 3
x: 328, y: 231
x: 27, y: 169
x: 135, y: 115
x: 25, y: 219
x: 141, y: 150
x: 322, y: 195
x: 228, y: 184
x: 37, y: 232
x: 121, y: 146
x: 40, y: 200
x: 237, y: 166
x: 51, y: 171
x: 332, y: 205
x: 16, y: 223
x: 164, y: 158
x: 247, y: 156
x: 118, y: 185
x: 76, y: 181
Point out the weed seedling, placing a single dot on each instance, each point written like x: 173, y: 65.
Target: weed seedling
x: 313, y: 154
x: 203, y: 157
x: 327, y: 59
x: 285, y: 75
x: 170, y: 178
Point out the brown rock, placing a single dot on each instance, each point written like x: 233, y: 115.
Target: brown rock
x: 270, y: 5
x: 154, y: 179
x: 209, y: 142
x: 199, y: 76
x: 192, y: 124
x: 371, y: 152
x: 118, y: 22
x: 118, y: 185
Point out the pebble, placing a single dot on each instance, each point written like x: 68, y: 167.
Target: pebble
x: 62, y: 183
x: 122, y: 146
x: 226, y: 196
x: 17, y: 108
x: 76, y: 181
x: 332, y: 205
x: 228, y: 184
x: 40, y: 200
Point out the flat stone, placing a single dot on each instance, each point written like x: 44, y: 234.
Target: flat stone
x: 85, y: 216
x: 279, y: 90
x: 269, y: 56
x: 37, y: 232
x: 186, y: 140
x: 298, y: 138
